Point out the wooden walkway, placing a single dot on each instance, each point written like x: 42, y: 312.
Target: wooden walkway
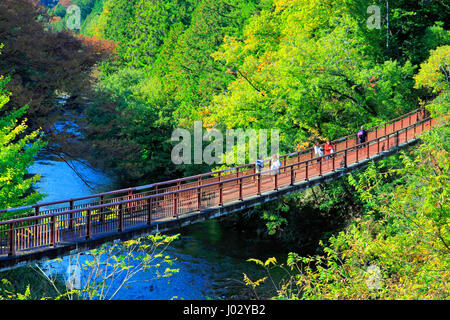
x: 43, y: 227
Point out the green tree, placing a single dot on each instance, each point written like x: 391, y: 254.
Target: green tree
x: 400, y: 248
x: 98, y: 274
x: 17, y: 152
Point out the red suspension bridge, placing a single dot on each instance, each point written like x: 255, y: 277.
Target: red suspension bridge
x: 53, y: 229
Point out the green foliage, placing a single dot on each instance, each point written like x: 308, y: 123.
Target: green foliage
x: 59, y: 11
x: 105, y: 271
x: 17, y: 153
x: 415, y: 28
x: 308, y: 68
x: 114, y: 266
x: 400, y: 248
x: 312, y: 69
x: 435, y: 73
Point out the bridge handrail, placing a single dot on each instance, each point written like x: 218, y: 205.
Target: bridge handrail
x: 199, y: 176
x: 128, y: 201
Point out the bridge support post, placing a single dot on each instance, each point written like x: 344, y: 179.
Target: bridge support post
x: 292, y: 176
x: 53, y: 231
x: 199, y: 194
x: 175, y: 205
x: 130, y: 204
x: 36, y: 222
x: 12, y: 240
x: 71, y: 216
x: 259, y: 184
x: 368, y: 146
x: 199, y: 199
x: 345, y: 158
x: 306, y: 170
x: 102, y: 210
x: 120, y: 217
x: 333, y: 160
x: 276, y: 182
x: 221, y: 194
x: 88, y: 224
x: 240, y: 189
x: 357, y: 154
x: 149, y: 211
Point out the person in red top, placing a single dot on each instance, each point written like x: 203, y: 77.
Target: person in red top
x: 329, y: 149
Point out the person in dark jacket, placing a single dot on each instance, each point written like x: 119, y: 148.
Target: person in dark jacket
x: 362, y: 137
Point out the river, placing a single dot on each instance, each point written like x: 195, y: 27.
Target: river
x: 211, y: 257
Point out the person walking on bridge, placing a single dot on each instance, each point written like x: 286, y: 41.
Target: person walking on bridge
x: 362, y: 137
x: 329, y: 150
x: 318, y: 151
x: 275, y: 166
x: 259, y: 165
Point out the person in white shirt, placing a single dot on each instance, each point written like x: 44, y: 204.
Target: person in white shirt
x: 275, y: 166
x: 318, y: 151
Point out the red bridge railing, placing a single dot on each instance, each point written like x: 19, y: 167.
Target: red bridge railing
x: 115, y: 211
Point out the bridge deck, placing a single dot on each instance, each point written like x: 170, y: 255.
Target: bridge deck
x: 116, y: 212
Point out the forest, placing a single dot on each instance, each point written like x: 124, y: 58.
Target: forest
x: 133, y: 71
